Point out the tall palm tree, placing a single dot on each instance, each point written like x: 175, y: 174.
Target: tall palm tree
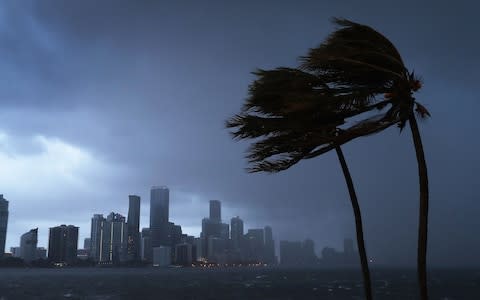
x: 294, y: 114
x: 355, y: 71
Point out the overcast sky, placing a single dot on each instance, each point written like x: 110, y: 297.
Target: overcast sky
x: 102, y: 99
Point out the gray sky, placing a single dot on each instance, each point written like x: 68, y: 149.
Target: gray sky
x: 101, y: 99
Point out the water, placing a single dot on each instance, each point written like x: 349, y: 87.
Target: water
x: 259, y: 283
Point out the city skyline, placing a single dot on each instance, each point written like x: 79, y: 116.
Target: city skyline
x: 100, y: 101
x: 96, y: 223
x: 113, y: 240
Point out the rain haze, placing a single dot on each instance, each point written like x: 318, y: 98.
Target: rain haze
x: 102, y: 99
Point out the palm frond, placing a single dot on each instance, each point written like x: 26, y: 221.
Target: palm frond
x: 300, y: 113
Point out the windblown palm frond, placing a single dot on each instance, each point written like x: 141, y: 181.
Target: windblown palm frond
x: 302, y: 112
x: 297, y: 116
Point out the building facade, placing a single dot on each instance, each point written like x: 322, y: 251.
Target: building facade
x: 291, y: 253
x: 133, y: 228
x: 41, y: 253
x: 236, y: 232
x: 255, y: 245
x: 146, y: 253
x: 3, y: 223
x: 63, y: 244
x: 215, y: 211
x: 183, y: 254
x: 269, y: 256
x: 159, y: 215
x: 98, y: 221
x: 162, y: 256
x: 28, y: 245
x: 113, y: 236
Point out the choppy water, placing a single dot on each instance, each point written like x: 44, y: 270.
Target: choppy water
x: 190, y: 284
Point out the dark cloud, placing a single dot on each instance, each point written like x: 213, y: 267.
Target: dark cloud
x: 144, y: 87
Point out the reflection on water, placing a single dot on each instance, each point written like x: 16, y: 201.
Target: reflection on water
x: 237, y: 283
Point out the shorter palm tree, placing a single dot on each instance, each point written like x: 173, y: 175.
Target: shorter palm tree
x: 294, y: 116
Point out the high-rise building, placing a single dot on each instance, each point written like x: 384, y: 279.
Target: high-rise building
x: 216, y: 249
x: 213, y: 227
x: 146, y: 246
x: 113, y: 239
x: 133, y: 228
x: 159, y: 207
x: 291, y: 253
x: 215, y: 211
x: 349, y: 254
x: 28, y: 245
x: 41, y: 253
x: 236, y: 232
x: 269, y: 257
x: 162, y: 256
x: 96, y: 237
x: 15, y: 251
x: 209, y: 229
x: 183, y: 254
x: 198, y: 243
x: 309, y: 256
x: 87, y: 242
x: 3, y: 223
x: 255, y: 245
x: 63, y: 243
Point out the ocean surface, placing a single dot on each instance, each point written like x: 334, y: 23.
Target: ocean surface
x: 235, y: 283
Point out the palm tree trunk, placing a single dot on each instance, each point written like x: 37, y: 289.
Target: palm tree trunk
x: 423, y: 215
x: 367, y: 283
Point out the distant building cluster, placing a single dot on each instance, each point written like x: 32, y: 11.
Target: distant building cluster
x: 303, y: 254
x: 115, y: 240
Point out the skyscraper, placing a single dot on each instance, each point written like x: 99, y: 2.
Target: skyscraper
x: 87, y: 243
x: 255, y: 240
x: 215, y: 211
x: 291, y: 253
x: 269, y: 246
x: 209, y: 229
x: 96, y: 237
x: 236, y: 232
x: 113, y: 239
x: 63, y: 243
x: 146, y: 253
x: 159, y: 206
x: 3, y: 223
x: 28, y: 245
x: 309, y: 256
x: 133, y: 228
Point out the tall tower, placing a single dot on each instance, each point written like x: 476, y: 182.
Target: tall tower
x: 98, y: 221
x: 215, y: 211
x: 3, y: 223
x: 133, y: 228
x: 63, y: 243
x: 269, y: 246
x: 28, y: 245
x: 159, y: 206
x: 236, y: 232
x: 113, y: 238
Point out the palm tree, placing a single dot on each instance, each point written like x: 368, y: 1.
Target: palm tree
x: 302, y: 113
x: 296, y: 114
x: 362, y: 64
